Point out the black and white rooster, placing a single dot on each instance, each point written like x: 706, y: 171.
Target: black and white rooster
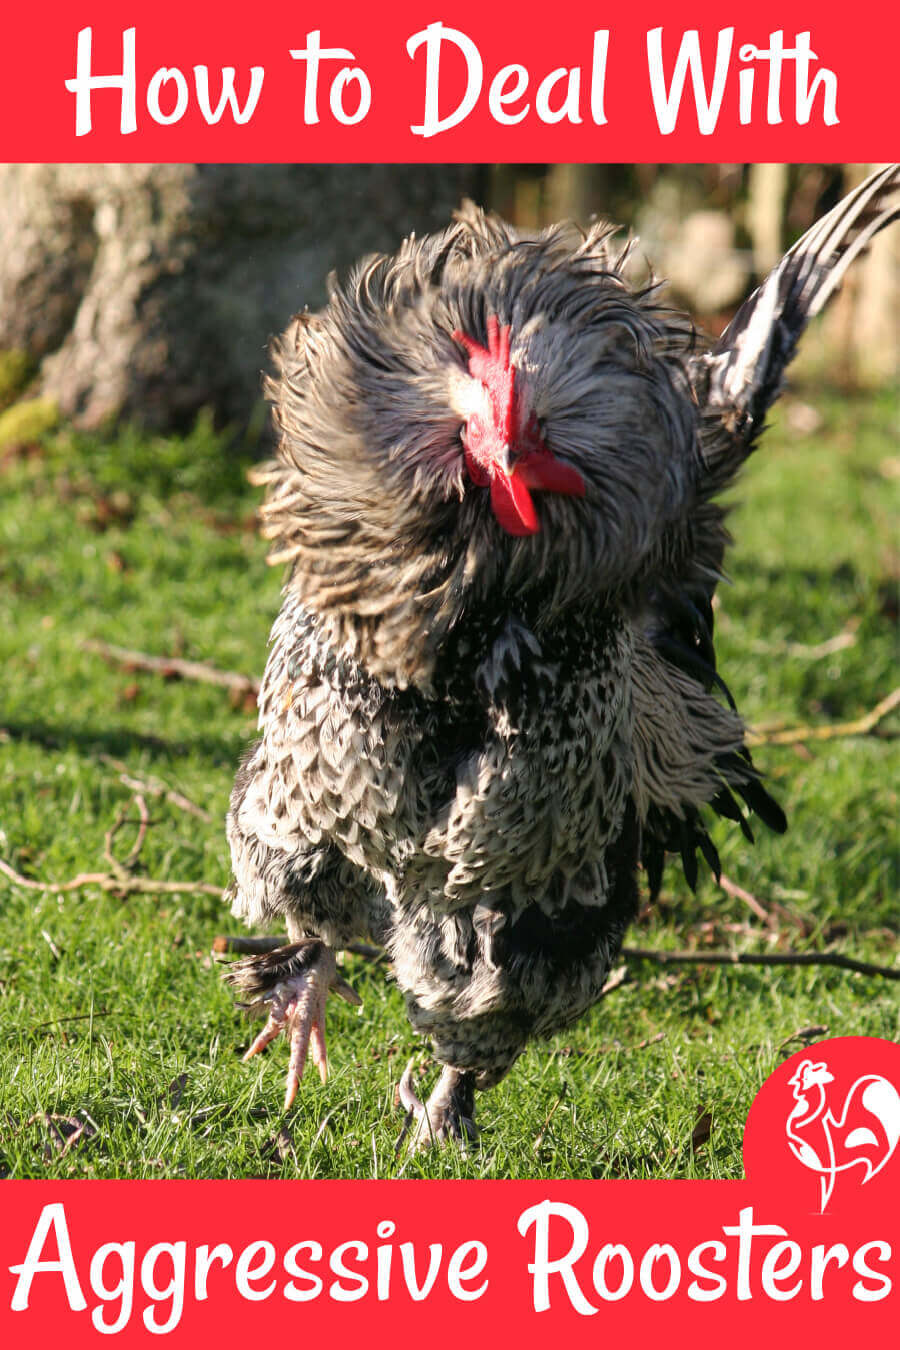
x: 492, y: 693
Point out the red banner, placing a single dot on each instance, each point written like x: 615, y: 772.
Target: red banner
x: 99, y: 81
x: 804, y: 1250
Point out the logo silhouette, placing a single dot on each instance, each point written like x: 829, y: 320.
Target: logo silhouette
x: 864, y: 1133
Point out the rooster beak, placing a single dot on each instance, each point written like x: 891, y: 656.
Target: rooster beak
x: 505, y: 460
x: 504, y: 449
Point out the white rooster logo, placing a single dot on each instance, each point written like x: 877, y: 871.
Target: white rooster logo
x: 864, y: 1134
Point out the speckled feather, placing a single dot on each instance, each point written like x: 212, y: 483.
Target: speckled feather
x: 469, y: 739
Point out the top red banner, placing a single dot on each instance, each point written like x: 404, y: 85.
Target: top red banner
x: 788, y: 81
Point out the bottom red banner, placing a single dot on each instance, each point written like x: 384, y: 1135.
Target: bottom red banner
x: 805, y: 1246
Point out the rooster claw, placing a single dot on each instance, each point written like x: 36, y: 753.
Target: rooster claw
x: 447, y: 1117
x: 292, y: 985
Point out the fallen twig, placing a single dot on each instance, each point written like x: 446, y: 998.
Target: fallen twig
x: 666, y: 958
x: 121, y: 878
x: 809, y: 652
x: 732, y: 888
x: 106, y: 881
x: 64, y: 1131
x: 254, y: 945
x: 123, y: 870
x: 173, y: 666
x: 621, y: 975
x: 143, y: 822
x: 155, y: 787
x: 770, y: 917
x: 831, y: 730
x: 805, y: 1034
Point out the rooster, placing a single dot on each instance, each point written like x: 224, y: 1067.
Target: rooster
x: 864, y: 1134
x: 492, y: 695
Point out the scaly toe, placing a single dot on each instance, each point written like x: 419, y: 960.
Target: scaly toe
x: 447, y: 1116
x: 292, y: 986
x: 273, y: 1028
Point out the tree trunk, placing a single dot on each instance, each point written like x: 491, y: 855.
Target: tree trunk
x: 150, y: 291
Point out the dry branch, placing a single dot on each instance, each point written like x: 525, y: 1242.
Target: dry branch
x: 831, y: 730
x: 770, y: 917
x: 733, y: 889
x: 665, y: 958
x: 621, y: 975
x: 156, y: 787
x: 252, y: 946
x: 106, y: 881
x: 120, y: 879
x: 802, y: 651
x: 173, y: 666
x: 123, y: 870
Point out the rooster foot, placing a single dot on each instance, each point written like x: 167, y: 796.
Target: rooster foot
x: 291, y: 985
x: 447, y: 1116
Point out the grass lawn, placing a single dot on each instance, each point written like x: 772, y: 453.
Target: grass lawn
x: 120, y: 1044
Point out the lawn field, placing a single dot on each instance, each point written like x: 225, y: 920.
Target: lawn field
x: 121, y: 1045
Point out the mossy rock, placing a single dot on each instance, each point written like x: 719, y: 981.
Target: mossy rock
x: 16, y: 369
x: 27, y: 421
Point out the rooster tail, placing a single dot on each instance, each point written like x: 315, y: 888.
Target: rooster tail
x: 742, y: 376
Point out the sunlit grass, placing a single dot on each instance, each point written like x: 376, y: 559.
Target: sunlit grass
x: 111, y: 1010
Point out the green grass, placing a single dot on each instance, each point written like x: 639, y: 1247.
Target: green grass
x: 111, y: 1011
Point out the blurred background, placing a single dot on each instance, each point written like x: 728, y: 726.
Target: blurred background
x: 149, y: 292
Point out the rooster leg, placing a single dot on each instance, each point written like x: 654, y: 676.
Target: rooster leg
x: 291, y: 985
x: 449, y: 1113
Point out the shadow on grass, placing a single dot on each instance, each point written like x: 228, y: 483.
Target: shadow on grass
x: 120, y: 741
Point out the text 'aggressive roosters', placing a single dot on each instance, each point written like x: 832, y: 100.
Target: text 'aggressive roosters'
x: 491, y: 694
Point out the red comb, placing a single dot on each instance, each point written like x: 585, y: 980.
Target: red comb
x: 512, y: 434
x: 491, y: 366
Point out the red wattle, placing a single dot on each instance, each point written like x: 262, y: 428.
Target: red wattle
x: 510, y: 429
x: 512, y: 505
x: 544, y: 471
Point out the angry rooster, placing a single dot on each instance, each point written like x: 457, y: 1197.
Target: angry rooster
x: 492, y: 693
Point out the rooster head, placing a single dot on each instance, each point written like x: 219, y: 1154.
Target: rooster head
x: 480, y: 418
x: 504, y: 449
